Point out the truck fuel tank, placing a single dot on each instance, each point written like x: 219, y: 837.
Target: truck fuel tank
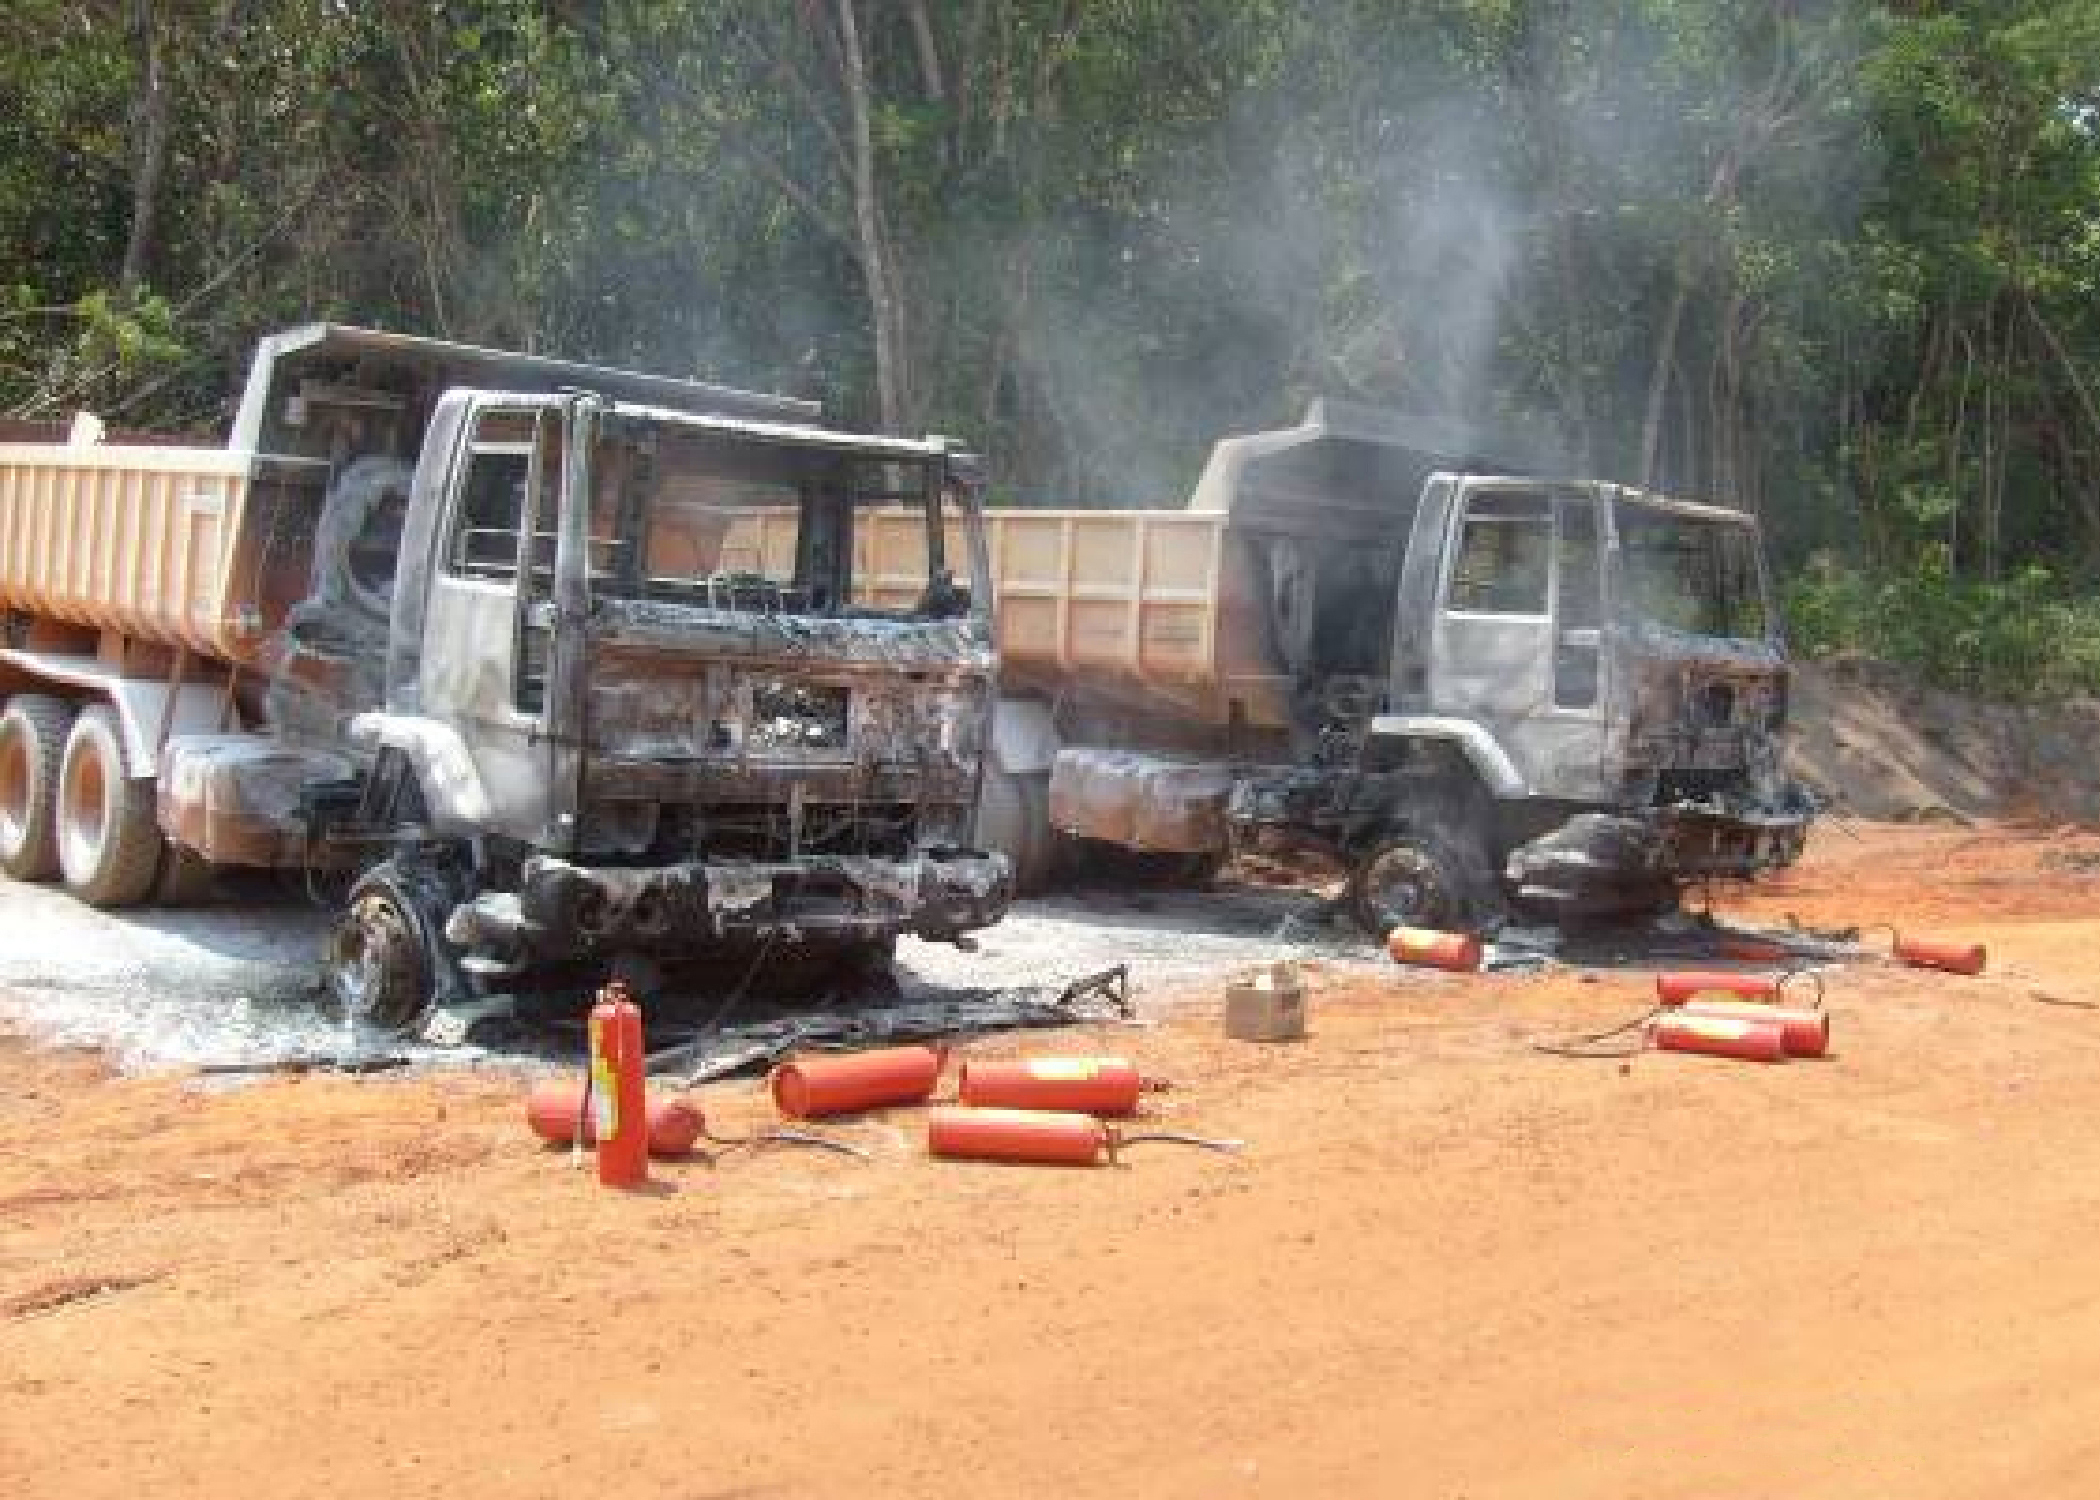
x: 1139, y: 801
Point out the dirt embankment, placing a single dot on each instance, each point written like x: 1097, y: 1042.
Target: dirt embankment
x: 1447, y: 1265
x: 1875, y: 744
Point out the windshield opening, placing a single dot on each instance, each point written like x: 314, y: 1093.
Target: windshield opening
x: 1696, y: 574
x: 737, y: 524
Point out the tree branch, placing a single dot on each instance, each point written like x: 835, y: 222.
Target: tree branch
x: 929, y: 54
x: 2063, y: 359
x: 783, y: 66
x: 149, y: 144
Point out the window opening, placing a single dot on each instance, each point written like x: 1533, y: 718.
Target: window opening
x: 1504, y: 552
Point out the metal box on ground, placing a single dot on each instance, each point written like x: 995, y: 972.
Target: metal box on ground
x: 1267, y: 1005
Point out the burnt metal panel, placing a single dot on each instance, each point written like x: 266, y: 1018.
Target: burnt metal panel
x: 393, y: 373
x: 421, y: 536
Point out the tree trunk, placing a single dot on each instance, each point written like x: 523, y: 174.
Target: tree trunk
x: 2088, y: 496
x: 891, y: 385
x: 929, y: 53
x: 149, y: 144
x: 1957, y: 440
x: 1659, y: 375
x: 1568, y: 379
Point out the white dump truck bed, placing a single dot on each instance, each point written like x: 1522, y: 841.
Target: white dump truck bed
x: 1153, y: 600
x: 155, y: 544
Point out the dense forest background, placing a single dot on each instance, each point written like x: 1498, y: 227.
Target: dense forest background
x: 1835, y: 263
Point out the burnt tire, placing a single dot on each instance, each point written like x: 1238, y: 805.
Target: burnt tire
x: 33, y: 733
x: 109, y: 844
x: 377, y: 963
x: 1420, y: 879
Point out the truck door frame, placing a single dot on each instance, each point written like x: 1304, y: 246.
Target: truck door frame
x: 1557, y: 747
x: 476, y: 615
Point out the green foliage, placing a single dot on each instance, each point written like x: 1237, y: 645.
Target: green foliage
x: 2027, y: 637
x: 1836, y: 263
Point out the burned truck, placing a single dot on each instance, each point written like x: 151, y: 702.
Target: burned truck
x: 465, y: 636
x: 1477, y: 689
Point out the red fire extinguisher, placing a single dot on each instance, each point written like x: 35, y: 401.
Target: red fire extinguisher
x: 1080, y: 1085
x: 618, y: 1098
x: 556, y: 1112
x: 1940, y: 953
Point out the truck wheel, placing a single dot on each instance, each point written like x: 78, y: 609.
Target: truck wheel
x: 32, y: 746
x: 377, y: 963
x: 109, y: 846
x: 1416, y: 880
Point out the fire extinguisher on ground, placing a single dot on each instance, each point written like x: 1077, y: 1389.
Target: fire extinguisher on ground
x: 617, y: 1096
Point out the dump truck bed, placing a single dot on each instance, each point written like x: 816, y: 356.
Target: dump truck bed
x: 1131, y: 591
x: 1280, y: 574
x: 159, y: 544
x: 1154, y: 600
x: 206, y: 548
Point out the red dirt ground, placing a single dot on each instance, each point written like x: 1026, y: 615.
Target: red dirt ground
x: 1448, y: 1265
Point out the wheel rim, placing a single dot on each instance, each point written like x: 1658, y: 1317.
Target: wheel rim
x: 370, y: 947
x: 16, y: 789
x: 83, y: 808
x: 1403, y: 888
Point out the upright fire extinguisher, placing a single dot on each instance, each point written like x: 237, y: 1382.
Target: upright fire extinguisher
x: 618, y: 1099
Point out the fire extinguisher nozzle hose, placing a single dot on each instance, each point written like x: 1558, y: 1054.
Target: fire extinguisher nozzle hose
x: 792, y: 1138
x: 1600, y: 1045
x: 1176, y: 1138
x: 1800, y: 972
x: 798, y: 1138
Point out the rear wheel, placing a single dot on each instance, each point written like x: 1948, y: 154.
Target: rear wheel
x: 32, y: 749
x: 109, y: 846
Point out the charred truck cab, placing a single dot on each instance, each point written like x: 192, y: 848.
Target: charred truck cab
x: 1579, y: 695
x: 480, y: 635
x: 1587, y: 692
x: 604, y: 733
x: 1473, y: 687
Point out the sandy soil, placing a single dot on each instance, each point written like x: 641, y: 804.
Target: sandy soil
x: 1448, y: 1265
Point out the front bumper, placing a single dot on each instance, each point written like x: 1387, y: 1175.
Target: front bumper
x: 1598, y: 862
x: 1697, y: 843
x: 565, y: 910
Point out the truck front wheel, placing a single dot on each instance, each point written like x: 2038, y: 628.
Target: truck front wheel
x: 32, y: 746
x: 1418, y: 879
x: 377, y: 964
x: 109, y: 846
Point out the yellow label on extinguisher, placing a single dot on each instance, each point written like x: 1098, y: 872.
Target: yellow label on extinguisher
x: 1716, y: 1028
x: 1063, y: 1069
x: 605, y: 1100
